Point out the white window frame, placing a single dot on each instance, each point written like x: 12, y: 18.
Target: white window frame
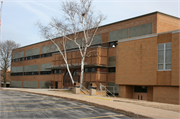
x: 164, y: 63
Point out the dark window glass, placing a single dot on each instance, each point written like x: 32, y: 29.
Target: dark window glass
x: 46, y: 55
x: 75, y: 73
x: 27, y: 73
x: 29, y: 58
x: 21, y: 59
x: 113, y: 69
x: 92, y: 69
x: 35, y: 56
x: 35, y: 73
x: 89, y: 69
x: 45, y: 72
x: 17, y: 74
x: 140, y: 89
x: 85, y: 69
x: 67, y: 73
x: 57, y: 71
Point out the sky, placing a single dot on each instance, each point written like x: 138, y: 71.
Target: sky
x: 19, y: 16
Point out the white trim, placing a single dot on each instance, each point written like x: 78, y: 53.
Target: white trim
x: 139, y: 37
x: 164, y: 64
x: 178, y: 31
x: 165, y: 70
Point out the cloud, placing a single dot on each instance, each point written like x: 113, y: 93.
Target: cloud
x: 37, y: 3
x: 34, y: 10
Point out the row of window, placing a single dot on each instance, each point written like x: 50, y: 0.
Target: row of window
x: 31, y: 73
x: 111, y: 44
x: 58, y: 71
x: 32, y: 57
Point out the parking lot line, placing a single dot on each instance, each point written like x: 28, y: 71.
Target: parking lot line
x: 98, y: 98
x: 33, y: 103
x: 25, y: 99
x: 103, y: 116
x: 45, y: 109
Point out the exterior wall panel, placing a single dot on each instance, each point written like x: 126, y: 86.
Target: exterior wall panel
x: 17, y: 69
x: 140, y: 30
x: 119, y: 34
x: 17, y: 84
x: 18, y: 55
x: 44, y: 66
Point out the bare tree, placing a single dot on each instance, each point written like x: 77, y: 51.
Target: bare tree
x: 6, y: 48
x: 80, y: 21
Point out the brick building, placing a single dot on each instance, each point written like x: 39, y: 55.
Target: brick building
x: 137, y: 56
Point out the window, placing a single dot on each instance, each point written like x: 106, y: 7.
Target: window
x: 29, y: 58
x: 67, y: 73
x: 17, y: 74
x: 75, y: 73
x: 112, y: 69
x: 46, y: 55
x: 164, y: 56
x: 18, y: 59
x: 27, y: 73
x: 89, y: 70
x: 140, y: 89
x: 35, y: 73
x: 35, y: 56
x: 31, y: 73
x: 57, y: 71
x: 45, y: 72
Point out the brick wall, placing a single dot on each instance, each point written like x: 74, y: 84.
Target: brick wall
x: 137, y: 62
x: 167, y: 23
x: 166, y: 94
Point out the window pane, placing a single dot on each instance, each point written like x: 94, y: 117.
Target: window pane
x: 59, y: 71
x: 86, y: 70
x: 168, y: 45
x: 168, y: 66
x: 160, y: 46
x: 160, y: 66
x: 160, y: 56
x: 93, y: 69
x: 168, y: 55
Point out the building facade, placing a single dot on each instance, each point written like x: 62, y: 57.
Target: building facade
x: 138, y: 57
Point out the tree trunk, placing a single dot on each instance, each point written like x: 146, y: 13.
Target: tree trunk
x: 82, y: 71
x: 82, y: 66
x: 4, y: 84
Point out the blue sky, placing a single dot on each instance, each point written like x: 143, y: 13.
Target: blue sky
x: 19, y: 16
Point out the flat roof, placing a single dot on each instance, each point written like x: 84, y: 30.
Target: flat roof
x: 156, y: 12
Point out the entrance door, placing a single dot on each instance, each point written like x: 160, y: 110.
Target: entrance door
x: 140, y: 92
x: 56, y: 85
x: 67, y: 80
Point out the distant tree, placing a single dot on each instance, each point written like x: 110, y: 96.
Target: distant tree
x: 80, y: 21
x: 6, y: 48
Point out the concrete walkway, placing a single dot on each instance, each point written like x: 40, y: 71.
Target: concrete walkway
x: 134, y: 108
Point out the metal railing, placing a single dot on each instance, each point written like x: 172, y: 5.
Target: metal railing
x: 84, y: 90
x: 104, y: 89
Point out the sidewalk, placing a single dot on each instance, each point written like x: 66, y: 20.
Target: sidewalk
x: 135, y: 108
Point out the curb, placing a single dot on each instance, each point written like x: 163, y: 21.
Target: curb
x: 127, y: 113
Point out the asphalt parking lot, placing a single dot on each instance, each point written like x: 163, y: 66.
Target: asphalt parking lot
x: 16, y: 105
